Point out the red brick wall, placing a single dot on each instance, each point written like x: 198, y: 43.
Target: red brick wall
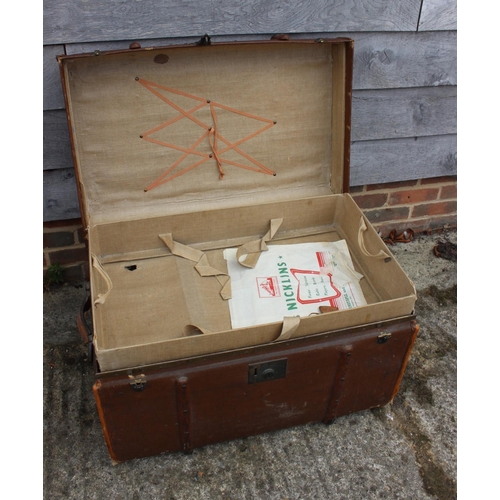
x: 64, y: 244
x: 420, y: 205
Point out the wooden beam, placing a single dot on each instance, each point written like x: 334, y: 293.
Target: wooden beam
x: 91, y: 20
x: 60, y: 198
x: 438, y: 15
x: 395, y: 113
x: 378, y: 162
x: 56, y: 145
x: 52, y: 89
x: 400, y: 60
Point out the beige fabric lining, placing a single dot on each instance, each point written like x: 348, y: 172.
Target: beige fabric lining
x: 165, y: 298
x: 291, y: 84
x: 198, y: 345
x: 223, y: 228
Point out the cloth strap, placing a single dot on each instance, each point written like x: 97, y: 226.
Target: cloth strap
x: 203, y: 267
x: 249, y: 253
x: 191, y: 330
x: 361, y: 242
x: 290, y: 325
x: 101, y: 298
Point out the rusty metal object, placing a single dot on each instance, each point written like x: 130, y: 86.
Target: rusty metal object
x: 404, y: 237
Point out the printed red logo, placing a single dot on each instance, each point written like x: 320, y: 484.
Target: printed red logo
x: 268, y: 287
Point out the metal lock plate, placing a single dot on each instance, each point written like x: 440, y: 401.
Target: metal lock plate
x: 264, y: 372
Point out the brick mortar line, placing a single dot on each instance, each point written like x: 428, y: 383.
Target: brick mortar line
x: 408, y: 222
x: 419, y: 217
x: 404, y: 188
x: 412, y: 205
x: 409, y: 205
x: 63, y: 229
x: 70, y: 264
x: 410, y: 219
x: 76, y: 246
x: 433, y: 215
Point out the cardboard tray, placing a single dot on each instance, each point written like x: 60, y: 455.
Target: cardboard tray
x: 209, y: 144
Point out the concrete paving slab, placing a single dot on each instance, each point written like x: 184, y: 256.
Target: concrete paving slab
x: 404, y: 450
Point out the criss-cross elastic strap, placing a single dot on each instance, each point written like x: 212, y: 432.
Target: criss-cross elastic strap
x: 213, y: 142
x: 210, y: 131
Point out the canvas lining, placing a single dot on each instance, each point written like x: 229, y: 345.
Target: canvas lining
x: 287, y: 84
x: 166, y: 301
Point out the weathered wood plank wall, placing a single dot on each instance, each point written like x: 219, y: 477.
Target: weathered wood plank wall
x: 405, y: 72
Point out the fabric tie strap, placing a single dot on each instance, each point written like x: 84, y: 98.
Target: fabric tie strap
x: 290, y: 325
x: 202, y: 265
x: 192, y: 330
x: 361, y: 242
x: 248, y: 254
x: 101, y: 298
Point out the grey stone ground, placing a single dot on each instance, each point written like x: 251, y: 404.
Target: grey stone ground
x: 406, y: 450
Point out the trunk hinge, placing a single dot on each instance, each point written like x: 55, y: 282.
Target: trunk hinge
x: 138, y: 382
x: 204, y: 40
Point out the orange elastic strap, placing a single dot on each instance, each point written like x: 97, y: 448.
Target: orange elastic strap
x: 212, y: 131
x: 213, y: 145
x: 147, y: 83
x: 172, y: 121
x: 157, y: 182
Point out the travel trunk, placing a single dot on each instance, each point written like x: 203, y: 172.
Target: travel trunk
x: 183, y: 154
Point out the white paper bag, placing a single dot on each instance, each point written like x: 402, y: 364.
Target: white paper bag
x: 292, y: 280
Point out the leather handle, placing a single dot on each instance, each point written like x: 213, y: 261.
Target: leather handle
x: 83, y: 328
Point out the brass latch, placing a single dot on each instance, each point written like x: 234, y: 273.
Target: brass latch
x: 138, y: 382
x: 383, y: 337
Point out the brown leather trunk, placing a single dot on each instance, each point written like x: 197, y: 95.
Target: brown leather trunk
x: 195, y: 402
x: 159, y: 387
